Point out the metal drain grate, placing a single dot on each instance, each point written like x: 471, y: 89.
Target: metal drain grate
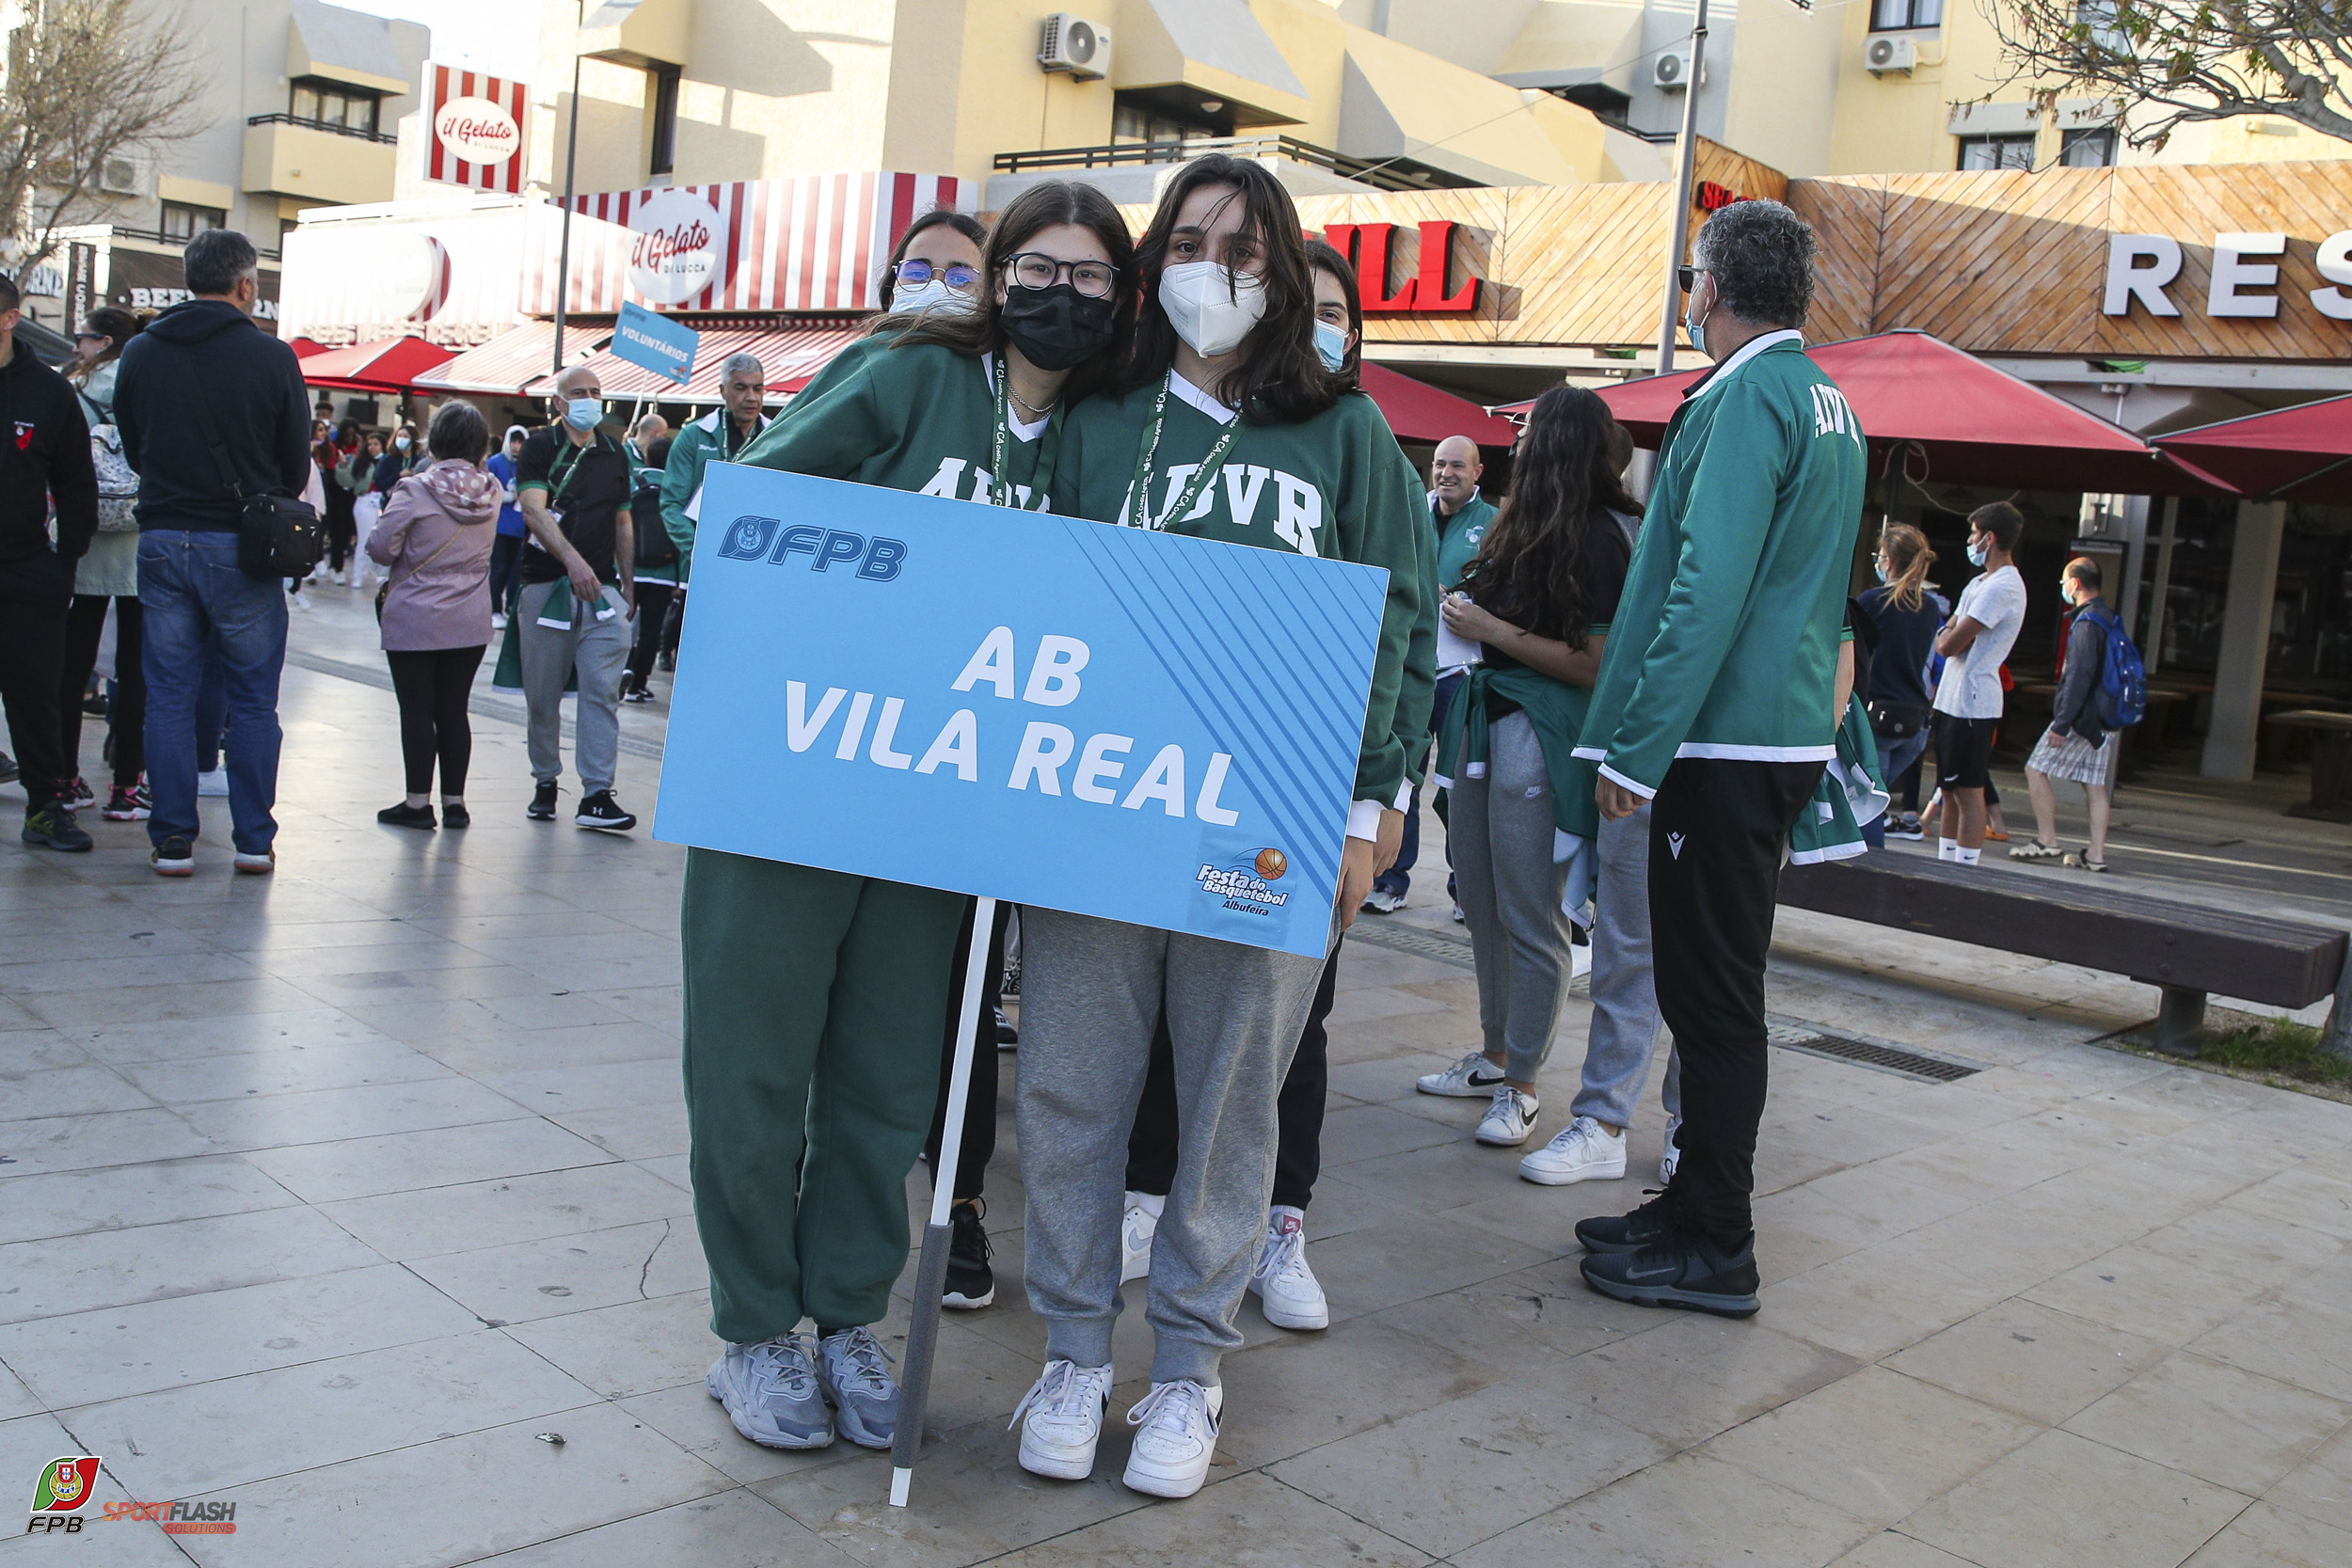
x: 1419, y: 943
x: 1812, y: 1041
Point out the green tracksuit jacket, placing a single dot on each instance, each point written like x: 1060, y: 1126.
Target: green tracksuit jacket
x: 1725, y: 642
x: 1459, y: 536
x: 695, y: 445
x: 1335, y: 485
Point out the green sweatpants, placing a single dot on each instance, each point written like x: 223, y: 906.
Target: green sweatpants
x: 814, y: 1006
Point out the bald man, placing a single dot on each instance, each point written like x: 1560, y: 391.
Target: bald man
x: 644, y: 434
x: 1461, y: 515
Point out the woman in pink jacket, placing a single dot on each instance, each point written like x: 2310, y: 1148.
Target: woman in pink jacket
x: 435, y: 535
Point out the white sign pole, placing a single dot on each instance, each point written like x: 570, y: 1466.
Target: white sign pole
x: 1685, y: 162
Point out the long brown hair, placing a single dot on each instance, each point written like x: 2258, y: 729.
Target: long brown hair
x: 886, y: 286
x: 1907, y: 551
x: 1042, y: 206
x: 1531, y: 567
x: 1280, y: 380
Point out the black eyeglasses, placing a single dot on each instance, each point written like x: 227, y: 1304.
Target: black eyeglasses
x: 955, y: 275
x: 1687, y: 277
x: 1034, y: 269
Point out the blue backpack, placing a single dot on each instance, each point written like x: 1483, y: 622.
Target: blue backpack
x: 2122, y: 699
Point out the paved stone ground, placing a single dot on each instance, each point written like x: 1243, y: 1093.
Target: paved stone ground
x: 327, y: 1194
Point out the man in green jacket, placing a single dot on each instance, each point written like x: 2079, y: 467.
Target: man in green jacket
x: 719, y: 436
x: 1716, y: 703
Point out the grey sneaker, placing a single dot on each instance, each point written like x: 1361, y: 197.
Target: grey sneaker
x: 855, y: 1372
x: 771, y: 1391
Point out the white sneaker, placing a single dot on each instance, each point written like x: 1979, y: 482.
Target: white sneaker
x: 1458, y: 915
x: 1065, y: 1420
x: 1509, y: 1120
x: 295, y: 601
x: 1673, y: 1157
x: 771, y: 1393
x: 1381, y: 901
x: 1135, y: 1240
x: 498, y: 620
x: 214, y: 784
x: 1178, y: 1438
x: 1467, y: 1079
x: 1583, y: 1150
x: 1287, y: 1290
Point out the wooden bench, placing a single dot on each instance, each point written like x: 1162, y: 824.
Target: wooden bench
x: 2183, y: 950
x: 2332, y: 747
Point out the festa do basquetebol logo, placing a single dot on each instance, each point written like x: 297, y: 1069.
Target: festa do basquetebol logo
x: 676, y: 252
x: 61, y: 1504
x: 1245, y: 885
x: 477, y: 131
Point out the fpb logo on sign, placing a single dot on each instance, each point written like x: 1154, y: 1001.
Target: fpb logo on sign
x: 64, y: 1487
x: 879, y: 560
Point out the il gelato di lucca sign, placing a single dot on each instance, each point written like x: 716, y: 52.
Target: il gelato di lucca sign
x: 2241, y: 284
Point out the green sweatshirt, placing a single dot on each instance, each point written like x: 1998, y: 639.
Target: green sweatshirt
x: 696, y: 445
x: 1336, y: 485
x: 1725, y: 642
x: 920, y: 418
x: 1458, y: 537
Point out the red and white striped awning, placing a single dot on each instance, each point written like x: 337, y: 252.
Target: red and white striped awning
x: 792, y: 355
x: 508, y: 363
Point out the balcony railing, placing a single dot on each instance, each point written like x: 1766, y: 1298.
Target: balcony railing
x: 385, y: 138
x: 158, y: 236
x: 1386, y: 175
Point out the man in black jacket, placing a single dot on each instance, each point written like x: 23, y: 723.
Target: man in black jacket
x: 197, y: 601
x: 46, y: 459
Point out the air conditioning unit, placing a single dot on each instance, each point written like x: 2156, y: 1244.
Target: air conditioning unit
x: 1888, y: 52
x: 1671, y: 73
x: 120, y: 177
x: 1074, y: 45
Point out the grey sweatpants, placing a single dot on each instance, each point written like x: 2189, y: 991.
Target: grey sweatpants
x: 1625, y: 993
x: 1091, y: 996
x: 601, y: 651
x: 1510, y: 887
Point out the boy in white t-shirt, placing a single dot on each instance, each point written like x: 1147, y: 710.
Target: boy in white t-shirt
x: 1968, y: 699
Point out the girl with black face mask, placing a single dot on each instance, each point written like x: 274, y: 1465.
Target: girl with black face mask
x: 815, y: 1002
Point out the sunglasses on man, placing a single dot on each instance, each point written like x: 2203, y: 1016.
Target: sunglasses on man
x: 1687, y: 277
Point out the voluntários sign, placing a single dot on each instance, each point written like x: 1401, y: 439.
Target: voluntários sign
x: 474, y: 129
x: 661, y: 345
x: 1136, y: 725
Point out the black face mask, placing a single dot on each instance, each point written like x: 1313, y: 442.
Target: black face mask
x: 1057, y: 328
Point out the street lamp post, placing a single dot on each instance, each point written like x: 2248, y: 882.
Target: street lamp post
x: 1679, y: 220
x: 563, y: 248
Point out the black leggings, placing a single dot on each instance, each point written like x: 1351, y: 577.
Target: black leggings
x: 653, y: 613
x: 1299, y: 1110
x: 84, y: 623
x: 433, y: 685
x: 979, y: 1108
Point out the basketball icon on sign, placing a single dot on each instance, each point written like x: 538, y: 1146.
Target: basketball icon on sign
x: 1272, y: 864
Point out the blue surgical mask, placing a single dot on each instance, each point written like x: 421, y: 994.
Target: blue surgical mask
x: 933, y: 293
x: 584, y: 413
x: 1976, y: 555
x: 1331, y: 343
x: 1882, y: 575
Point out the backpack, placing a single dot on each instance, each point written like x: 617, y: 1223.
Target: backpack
x: 118, y: 484
x: 2122, y: 697
x: 655, y: 550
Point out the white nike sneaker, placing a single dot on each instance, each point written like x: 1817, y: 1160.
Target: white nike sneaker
x: 1672, y: 1156
x: 1287, y: 1290
x: 1135, y: 1240
x: 1467, y: 1079
x: 1583, y: 1150
x: 1177, y: 1440
x: 1509, y: 1120
x: 1064, y: 1411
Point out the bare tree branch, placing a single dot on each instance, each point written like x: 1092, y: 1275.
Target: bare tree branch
x: 2171, y: 63
x: 87, y: 82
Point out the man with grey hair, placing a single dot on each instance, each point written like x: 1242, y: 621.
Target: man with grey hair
x: 718, y: 435
x: 1717, y: 705
x: 577, y: 599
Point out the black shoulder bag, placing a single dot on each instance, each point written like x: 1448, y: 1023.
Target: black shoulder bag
x: 277, y: 536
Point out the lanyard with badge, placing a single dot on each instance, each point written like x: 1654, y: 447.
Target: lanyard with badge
x: 1139, y: 512
x: 557, y: 482
x: 1001, y: 489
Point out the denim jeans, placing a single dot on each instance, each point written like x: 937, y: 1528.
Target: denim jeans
x: 194, y: 598
x: 1895, y: 759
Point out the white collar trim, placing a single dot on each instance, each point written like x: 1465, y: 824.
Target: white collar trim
x: 1185, y: 391
x: 1752, y: 347
x: 708, y: 423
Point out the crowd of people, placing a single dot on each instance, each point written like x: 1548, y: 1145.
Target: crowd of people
x: 1632, y: 714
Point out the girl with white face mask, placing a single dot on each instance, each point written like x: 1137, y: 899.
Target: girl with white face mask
x: 1230, y: 427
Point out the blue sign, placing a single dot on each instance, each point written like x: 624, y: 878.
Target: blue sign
x: 1141, y: 726
x: 657, y: 342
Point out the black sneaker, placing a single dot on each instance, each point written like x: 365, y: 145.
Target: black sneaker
x: 541, y: 807
x: 455, y: 817
x: 1679, y: 1269
x: 174, y: 857
x: 1645, y: 1227
x: 53, y: 827
x: 602, y: 811
x: 82, y: 794
x: 971, y: 1284
x: 637, y: 694
x: 406, y: 815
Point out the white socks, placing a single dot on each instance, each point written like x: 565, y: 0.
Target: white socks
x: 1947, y: 848
x: 1967, y: 856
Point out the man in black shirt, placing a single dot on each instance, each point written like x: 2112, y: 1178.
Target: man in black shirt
x: 577, y: 598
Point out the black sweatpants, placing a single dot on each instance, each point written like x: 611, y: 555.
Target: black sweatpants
x: 432, y: 686
x: 1299, y: 1109
x: 32, y: 661
x: 653, y: 613
x: 980, y: 1106
x: 1718, y: 830
x: 85, y: 623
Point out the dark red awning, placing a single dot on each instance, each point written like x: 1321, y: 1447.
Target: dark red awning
x: 1419, y: 412
x: 387, y: 365
x: 1950, y: 418
x: 2300, y: 455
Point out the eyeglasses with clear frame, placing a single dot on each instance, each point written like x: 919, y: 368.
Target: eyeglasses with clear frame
x: 958, y: 275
